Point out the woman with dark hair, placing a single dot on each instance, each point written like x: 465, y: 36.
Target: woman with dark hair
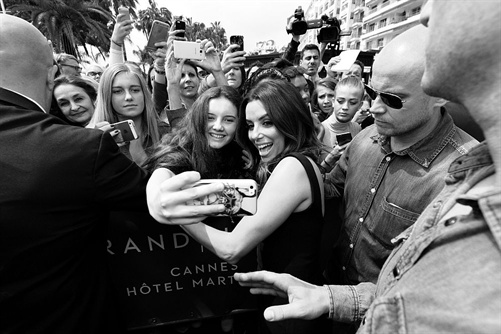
x: 204, y: 141
x: 289, y: 218
x: 322, y: 101
x: 74, y: 99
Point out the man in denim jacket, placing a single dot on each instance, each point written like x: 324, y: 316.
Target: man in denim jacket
x: 391, y: 171
x: 445, y: 273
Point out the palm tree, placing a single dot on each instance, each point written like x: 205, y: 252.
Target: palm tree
x: 218, y: 35
x: 68, y: 24
x: 150, y: 14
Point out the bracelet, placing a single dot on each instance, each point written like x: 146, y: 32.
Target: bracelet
x: 325, y: 162
x: 159, y: 71
x: 119, y: 45
x: 331, y: 302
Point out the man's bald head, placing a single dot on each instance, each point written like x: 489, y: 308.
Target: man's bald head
x: 25, y: 59
x: 398, y: 70
x: 404, y: 56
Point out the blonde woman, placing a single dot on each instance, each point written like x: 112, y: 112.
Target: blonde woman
x: 123, y: 95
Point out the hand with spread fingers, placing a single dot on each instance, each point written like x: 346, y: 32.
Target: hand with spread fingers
x: 306, y: 301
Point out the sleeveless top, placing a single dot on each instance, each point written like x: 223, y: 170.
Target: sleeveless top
x: 294, y: 247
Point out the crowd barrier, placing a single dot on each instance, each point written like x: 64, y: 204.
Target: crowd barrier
x: 162, y: 276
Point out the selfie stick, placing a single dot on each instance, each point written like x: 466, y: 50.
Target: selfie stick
x: 3, y: 7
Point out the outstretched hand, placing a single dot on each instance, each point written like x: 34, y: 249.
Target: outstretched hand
x: 306, y: 301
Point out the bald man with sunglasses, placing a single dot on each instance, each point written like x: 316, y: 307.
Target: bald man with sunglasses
x: 390, y: 171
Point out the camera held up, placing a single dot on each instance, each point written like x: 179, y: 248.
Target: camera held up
x: 330, y: 27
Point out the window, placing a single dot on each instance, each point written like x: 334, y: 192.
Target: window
x: 380, y: 43
x: 416, y: 11
x: 382, y: 23
x: 372, y: 27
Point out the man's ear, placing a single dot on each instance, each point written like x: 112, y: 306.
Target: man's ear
x: 49, y: 86
x: 51, y: 75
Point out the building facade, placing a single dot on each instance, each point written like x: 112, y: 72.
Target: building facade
x: 366, y: 25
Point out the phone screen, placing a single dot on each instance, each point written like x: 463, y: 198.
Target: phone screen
x: 237, y: 39
x: 343, y: 138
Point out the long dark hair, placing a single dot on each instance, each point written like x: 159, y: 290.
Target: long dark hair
x: 291, y: 117
x: 187, y: 148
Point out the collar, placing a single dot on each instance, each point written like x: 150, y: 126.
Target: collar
x: 427, y: 149
x: 16, y: 98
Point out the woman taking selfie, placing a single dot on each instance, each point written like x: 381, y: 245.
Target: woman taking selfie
x: 289, y: 217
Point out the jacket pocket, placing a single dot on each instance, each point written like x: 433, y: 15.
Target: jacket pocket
x: 386, y: 315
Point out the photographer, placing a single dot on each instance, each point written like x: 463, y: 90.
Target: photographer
x: 311, y: 55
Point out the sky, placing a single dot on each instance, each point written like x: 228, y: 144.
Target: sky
x: 256, y: 20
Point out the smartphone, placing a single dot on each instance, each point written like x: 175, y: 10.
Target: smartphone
x: 237, y: 39
x: 180, y: 25
x: 343, y: 138
x: 124, y: 10
x: 239, y: 196
x: 127, y: 131
x: 188, y: 50
x: 158, y: 33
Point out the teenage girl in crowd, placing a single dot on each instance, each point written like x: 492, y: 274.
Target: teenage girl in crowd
x: 289, y: 218
x: 205, y: 140
x: 322, y: 101
x: 123, y: 95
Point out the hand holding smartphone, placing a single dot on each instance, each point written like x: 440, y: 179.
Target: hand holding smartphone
x: 127, y: 131
x: 124, y: 12
x: 158, y: 33
x: 180, y: 25
x: 188, y: 50
x: 239, y: 196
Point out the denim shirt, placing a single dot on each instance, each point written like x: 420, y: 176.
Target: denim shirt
x: 446, y: 276
x: 384, y: 193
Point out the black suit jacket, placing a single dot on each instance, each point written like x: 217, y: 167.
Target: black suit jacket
x: 57, y: 185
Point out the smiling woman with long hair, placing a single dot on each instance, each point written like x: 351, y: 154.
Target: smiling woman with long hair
x: 289, y: 219
x: 205, y: 141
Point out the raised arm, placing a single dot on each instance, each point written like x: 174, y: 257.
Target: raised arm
x: 231, y: 58
x: 272, y: 211
x: 122, y: 29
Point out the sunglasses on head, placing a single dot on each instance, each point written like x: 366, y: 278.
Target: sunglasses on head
x: 391, y: 100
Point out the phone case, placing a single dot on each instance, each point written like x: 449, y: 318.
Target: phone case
x: 188, y: 50
x: 158, y: 33
x: 239, y: 196
x: 124, y: 10
x: 127, y: 131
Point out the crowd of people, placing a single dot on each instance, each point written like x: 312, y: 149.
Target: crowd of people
x: 412, y: 200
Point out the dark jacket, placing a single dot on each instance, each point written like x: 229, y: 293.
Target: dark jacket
x: 57, y: 185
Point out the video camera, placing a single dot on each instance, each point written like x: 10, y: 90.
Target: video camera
x: 330, y: 27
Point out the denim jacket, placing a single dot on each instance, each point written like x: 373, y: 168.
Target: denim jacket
x: 384, y: 193
x: 445, y: 273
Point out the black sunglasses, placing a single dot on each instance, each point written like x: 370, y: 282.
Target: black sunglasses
x: 391, y: 100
